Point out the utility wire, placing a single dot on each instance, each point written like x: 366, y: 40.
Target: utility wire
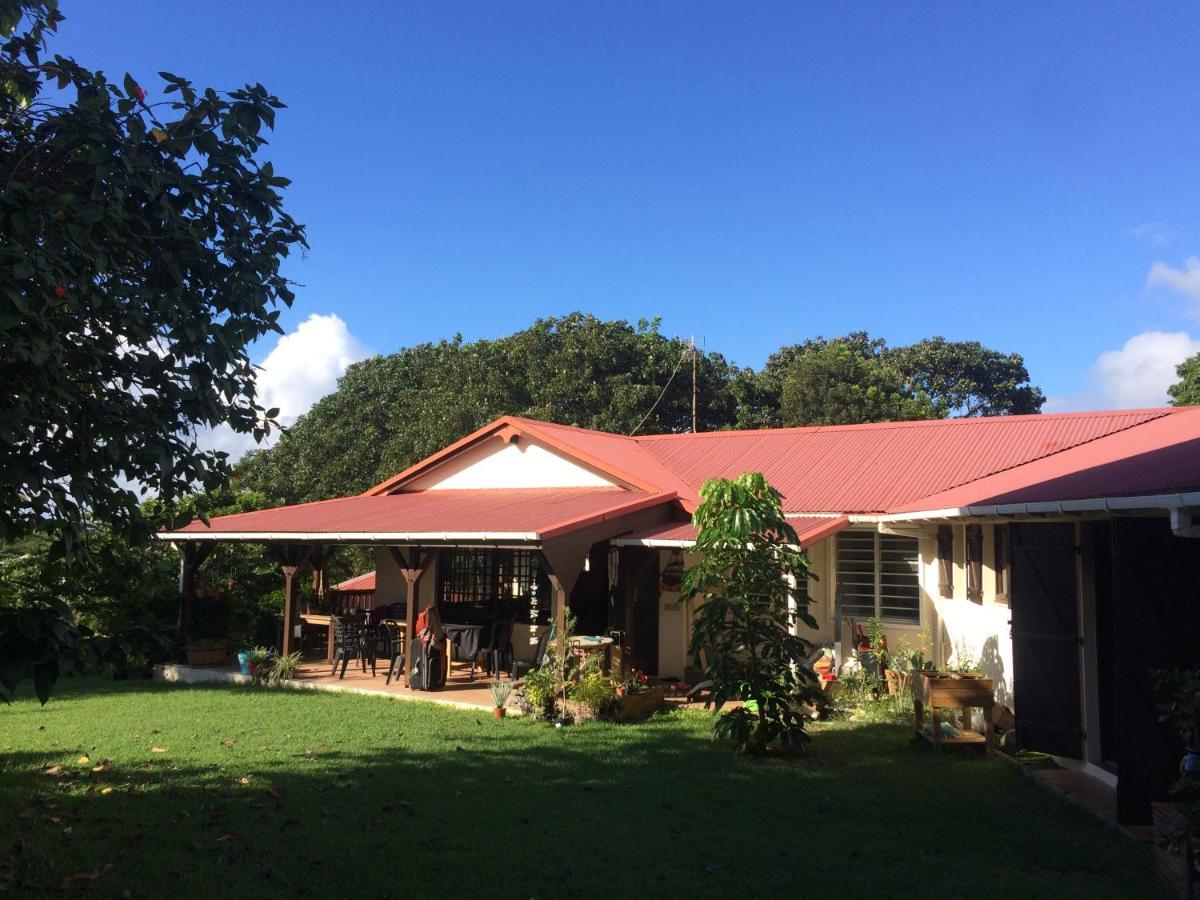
x: 682, y: 356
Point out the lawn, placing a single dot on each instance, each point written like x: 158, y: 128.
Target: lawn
x: 249, y: 792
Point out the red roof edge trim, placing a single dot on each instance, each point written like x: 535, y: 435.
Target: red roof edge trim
x: 561, y: 528
x: 817, y: 533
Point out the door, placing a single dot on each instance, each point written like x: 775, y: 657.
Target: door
x: 1046, y: 639
x: 645, y: 615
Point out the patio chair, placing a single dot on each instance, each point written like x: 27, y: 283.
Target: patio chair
x: 350, y: 639
x: 538, y: 658
x: 499, y: 649
x: 394, y: 639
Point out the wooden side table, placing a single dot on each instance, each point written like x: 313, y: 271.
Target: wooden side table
x: 949, y: 690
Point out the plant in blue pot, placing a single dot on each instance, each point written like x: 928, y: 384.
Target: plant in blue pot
x: 244, y: 661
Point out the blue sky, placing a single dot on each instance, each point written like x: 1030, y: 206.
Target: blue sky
x: 1024, y: 174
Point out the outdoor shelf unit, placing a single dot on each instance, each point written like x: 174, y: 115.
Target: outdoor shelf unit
x: 947, y: 690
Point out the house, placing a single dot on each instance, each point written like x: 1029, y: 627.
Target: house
x: 1060, y: 550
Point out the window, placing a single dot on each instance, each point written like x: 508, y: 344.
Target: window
x: 489, y: 583
x: 878, y: 575
x: 975, y: 563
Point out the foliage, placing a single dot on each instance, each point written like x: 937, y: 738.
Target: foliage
x: 143, y: 245
x: 964, y: 661
x: 1179, y: 702
x: 636, y: 682
x: 40, y: 640
x: 540, y: 689
x: 749, y: 557
x: 964, y: 378
x: 593, y: 689
x: 1186, y: 391
x: 391, y: 411
x: 858, y: 378
x: 846, y: 381
x: 277, y: 668
x: 500, y: 693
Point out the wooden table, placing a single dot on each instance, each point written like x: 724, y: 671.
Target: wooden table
x: 948, y: 690
x: 321, y: 619
x: 585, y: 645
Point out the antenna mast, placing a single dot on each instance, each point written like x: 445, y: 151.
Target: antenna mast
x: 694, y: 384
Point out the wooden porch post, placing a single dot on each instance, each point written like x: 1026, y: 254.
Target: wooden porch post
x: 289, y: 606
x: 193, y: 554
x: 412, y: 572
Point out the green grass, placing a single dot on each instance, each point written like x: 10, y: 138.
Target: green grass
x: 263, y: 792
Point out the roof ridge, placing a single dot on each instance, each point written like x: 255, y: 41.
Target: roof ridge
x: 1160, y: 411
x: 542, y: 423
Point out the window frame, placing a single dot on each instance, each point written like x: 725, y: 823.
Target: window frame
x: 504, y: 585
x: 917, y: 621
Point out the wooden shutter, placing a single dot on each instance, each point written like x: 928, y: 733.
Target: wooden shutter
x: 975, y: 563
x: 1001, y: 562
x: 945, y: 558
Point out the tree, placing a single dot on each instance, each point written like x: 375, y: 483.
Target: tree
x: 391, y: 411
x: 964, y: 378
x: 847, y: 381
x: 750, y: 587
x: 1186, y: 392
x: 142, y: 256
x: 858, y: 378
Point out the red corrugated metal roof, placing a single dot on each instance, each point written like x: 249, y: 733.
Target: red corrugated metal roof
x: 542, y: 512
x: 809, y: 529
x: 876, y: 468
x: 364, y: 582
x: 1156, y: 458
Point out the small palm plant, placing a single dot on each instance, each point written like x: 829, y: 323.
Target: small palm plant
x: 500, y: 693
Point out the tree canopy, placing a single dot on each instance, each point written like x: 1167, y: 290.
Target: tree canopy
x: 391, y: 411
x: 858, y: 378
x: 1186, y: 391
x: 143, y: 243
x: 577, y: 369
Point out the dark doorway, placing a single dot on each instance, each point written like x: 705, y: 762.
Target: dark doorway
x: 1046, y: 639
x: 1106, y: 640
x: 590, y: 598
x: 1156, y: 595
x: 639, y: 574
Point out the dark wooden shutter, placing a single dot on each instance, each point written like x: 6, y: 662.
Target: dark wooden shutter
x: 945, y: 558
x: 1046, y: 639
x: 975, y: 563
x: 1001, y: 562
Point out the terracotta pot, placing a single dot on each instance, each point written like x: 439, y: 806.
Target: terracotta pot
x: 207, y: 656
x: 498, y: 712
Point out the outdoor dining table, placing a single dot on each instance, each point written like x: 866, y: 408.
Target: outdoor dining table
x: 585, y: 645
x: 464, y: 640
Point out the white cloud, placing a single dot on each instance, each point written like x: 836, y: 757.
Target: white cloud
x: 1157, y: 234
x: 1184, y: 281
x: 303, y: 367
x: 1136, y: 375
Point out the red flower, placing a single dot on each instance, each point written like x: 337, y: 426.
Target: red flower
x: 140, y: 93
x: 59, y: 292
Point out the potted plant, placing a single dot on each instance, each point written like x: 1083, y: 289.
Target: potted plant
x: 274, y: 668
x: 500, y: 694
x: 206, y: 651
x: 256, y: 659
x: 590, y: 696
x: 636, y: 697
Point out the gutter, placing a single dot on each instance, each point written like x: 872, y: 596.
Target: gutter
x: 365, y: 537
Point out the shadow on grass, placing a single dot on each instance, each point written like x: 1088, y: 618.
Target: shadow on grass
x: 282, y: 793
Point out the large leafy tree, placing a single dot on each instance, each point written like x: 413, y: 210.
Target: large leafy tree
x: 750, y: 588
x: 858, y: 378
x: 577, y: 369
x: 965, y: 378
x: 847, y: 381
x: 143, y: 242
x: 1186, y: 391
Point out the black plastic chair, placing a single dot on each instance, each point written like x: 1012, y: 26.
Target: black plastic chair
x: 499, y: 649
x: 350, y: 639
x: 394, y: 639
x: 538, y: 658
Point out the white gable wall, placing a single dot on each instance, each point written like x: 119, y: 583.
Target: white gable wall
x: 493, y: 464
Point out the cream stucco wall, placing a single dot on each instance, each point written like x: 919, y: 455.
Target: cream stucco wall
x: 493, y: 465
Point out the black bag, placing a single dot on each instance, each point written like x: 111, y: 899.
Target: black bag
x: 429, y: 671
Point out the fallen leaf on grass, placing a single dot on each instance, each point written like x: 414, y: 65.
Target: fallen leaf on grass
x: 158, y: 749
x: 243, y: 780
x: 102, y: 766
x: 106, y: 791
x: 83, y: 760
x: 53, y: 770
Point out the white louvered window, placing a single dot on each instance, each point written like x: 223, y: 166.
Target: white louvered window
x: 877, y: 575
